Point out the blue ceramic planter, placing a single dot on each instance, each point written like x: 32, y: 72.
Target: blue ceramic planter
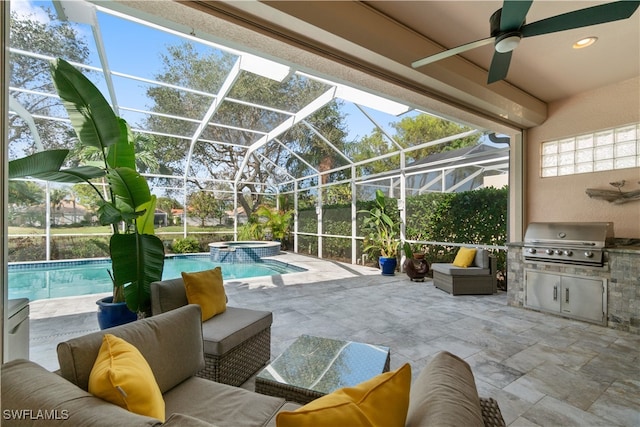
x: 113, y: 314
x: 388, y: 266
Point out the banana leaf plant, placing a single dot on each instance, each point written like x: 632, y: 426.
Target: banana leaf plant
x: 381, y: 231
x: 137, y: 254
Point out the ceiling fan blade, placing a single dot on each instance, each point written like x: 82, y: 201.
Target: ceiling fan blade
x: 582, y: 18
x: 513, y: 14
x: 451, y: 52
x: 499, y: 66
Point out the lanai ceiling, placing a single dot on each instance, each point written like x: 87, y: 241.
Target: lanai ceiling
x: 386, y: 36
x: 547, y: 66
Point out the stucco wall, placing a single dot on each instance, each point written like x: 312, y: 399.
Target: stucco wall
x: 564, y: 198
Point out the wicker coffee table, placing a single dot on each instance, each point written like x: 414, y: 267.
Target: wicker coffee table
x: 312, y: 367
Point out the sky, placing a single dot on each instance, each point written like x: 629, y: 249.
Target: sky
x: 135, y: 50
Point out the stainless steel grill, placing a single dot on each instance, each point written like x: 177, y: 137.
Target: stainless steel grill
x: 579, y: 243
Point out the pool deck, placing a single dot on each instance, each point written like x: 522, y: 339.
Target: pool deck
x: 543, y: 370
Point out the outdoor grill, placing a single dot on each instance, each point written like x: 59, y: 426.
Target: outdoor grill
x: 580, y: 243
x: 571, y: 288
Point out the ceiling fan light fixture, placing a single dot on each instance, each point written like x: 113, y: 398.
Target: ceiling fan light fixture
x: 585, y: 42
x: 507, y: 42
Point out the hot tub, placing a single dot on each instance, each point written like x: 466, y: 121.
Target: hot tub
x: 243, y: 251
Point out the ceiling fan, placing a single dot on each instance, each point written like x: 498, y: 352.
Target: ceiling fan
x: 508, y: 27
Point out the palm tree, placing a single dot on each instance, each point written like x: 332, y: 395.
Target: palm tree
x: 277, y: 221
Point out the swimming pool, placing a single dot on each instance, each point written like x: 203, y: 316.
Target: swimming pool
x: 72, y: 278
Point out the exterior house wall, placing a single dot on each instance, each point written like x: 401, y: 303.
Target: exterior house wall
x: 563, y: 198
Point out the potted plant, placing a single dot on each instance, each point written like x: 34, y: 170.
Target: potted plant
x: 137, y: 254
x: 277, y: 221
x: 381, y: 235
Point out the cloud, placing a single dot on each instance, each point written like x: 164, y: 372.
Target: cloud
x: 27, y: 8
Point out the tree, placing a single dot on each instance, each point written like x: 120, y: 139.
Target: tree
x: 328, y: 122
x: 25, y: 193
x: 336, y: 194
x: 87, y: 198
x: 409, y: 132
x: 221, y: 148
x: 25, y: 200
x: 370, y: 146
x: 47, y: 37
x: 56, y: 196
x: 204, y: 205
x: 412, y: 131
x: 220, y: 210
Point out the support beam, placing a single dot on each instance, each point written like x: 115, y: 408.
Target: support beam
x: 305, y: 112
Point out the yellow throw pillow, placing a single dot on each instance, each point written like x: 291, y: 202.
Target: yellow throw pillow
x: 382, y: 401
x: 465, y: 257
x: 206, y: 289
x: 122, y: 376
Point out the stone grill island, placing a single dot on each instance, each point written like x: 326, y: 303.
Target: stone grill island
x: 619, y: 275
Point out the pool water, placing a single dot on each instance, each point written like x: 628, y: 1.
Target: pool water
x: 62, y: 279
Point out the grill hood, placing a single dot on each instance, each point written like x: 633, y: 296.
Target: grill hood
x: 583, y: 234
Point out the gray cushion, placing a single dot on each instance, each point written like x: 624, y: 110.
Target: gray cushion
x: 27, y: 386
x: 231, y: 328
x: 452, y: 270
x: 289, y: 406
x: 182, y: 420
x: 444, y: 394
x: 482, y: 258
x: 171, y: 343
x: 167, y: 295
x: 221, y: 404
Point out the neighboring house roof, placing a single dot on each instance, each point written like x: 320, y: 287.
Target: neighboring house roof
x: 458, y: 156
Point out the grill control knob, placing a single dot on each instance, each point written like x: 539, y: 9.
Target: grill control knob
x: 558, y: 252
x: 568, y: 253
x: 549, y: 251
x: 531, y: 250
x: 588, y: 254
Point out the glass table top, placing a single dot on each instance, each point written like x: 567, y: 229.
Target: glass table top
x: 324, y: 364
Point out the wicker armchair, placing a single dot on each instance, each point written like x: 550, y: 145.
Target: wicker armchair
x: 237, y: 343
x: 478, y: 279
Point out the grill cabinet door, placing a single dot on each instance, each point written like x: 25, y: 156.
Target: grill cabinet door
x: 542, y: 291
x: 583, y: 298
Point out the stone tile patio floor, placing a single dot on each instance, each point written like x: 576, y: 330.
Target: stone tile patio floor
x: 543, y: 370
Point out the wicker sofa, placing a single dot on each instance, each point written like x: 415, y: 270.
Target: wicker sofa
x: 172, y: 345
x: 477, y: 279
x: 237, y: 343
x: 444, y: 393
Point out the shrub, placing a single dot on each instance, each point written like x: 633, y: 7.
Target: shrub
x: 93, y: 247
x: 23, y: 249
x: 186, y: 245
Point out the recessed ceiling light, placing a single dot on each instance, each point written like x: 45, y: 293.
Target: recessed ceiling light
x: 585, y: 42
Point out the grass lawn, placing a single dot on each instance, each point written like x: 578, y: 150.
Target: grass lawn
x: 107, y: 230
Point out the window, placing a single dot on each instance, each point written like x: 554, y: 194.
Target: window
x: 609, y: 149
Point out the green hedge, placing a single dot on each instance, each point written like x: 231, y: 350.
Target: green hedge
x: 477, y: 217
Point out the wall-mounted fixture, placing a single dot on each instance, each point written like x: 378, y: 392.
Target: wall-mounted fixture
x: 617, y: 197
